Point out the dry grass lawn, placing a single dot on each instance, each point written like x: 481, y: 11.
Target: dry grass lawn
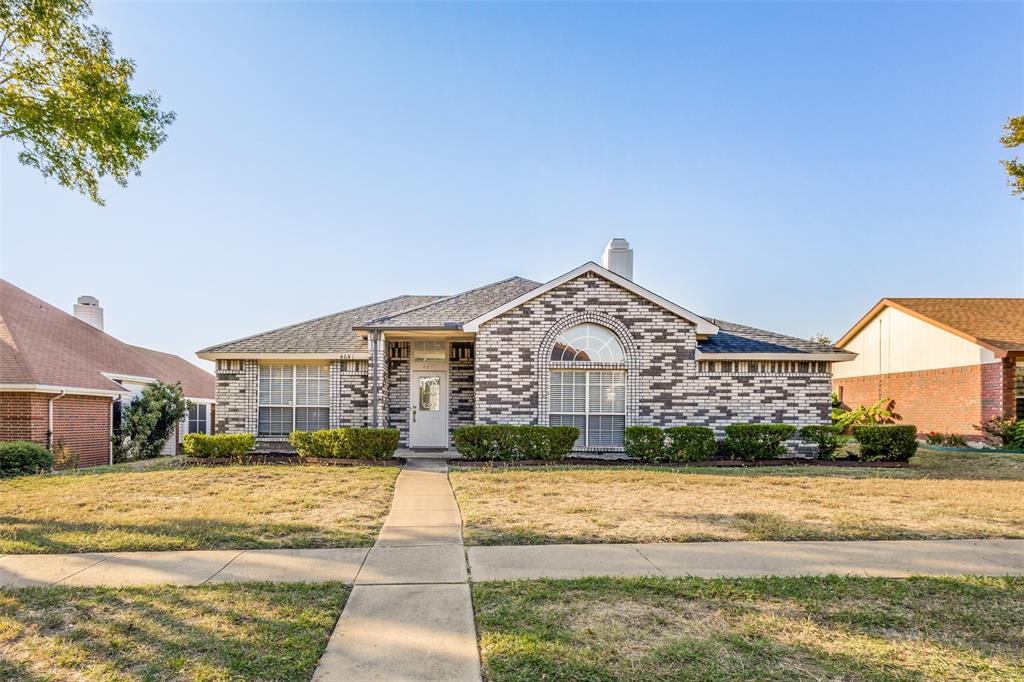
x: 255, y: 631
x: 203, y: 508
x: 784, y: 629
x: 939, y: 496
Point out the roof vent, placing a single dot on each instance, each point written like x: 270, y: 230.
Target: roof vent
x: 618, y: 258
x: 88, y: 310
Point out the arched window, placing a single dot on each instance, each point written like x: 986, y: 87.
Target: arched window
x: 591, y: 399
x: 587, y: 343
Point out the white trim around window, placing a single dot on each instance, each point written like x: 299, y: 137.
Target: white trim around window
x: 592, y: 400
x: 292, y: 398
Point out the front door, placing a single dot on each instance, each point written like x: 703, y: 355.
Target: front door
x: 428, y: 412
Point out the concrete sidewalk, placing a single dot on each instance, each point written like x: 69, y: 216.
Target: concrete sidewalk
x: 896, y: 559
x: 180, y: 568
x: 410, y: 614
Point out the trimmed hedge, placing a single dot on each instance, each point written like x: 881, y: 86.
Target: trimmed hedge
x: 825, y: 436
x: 511, y: 442
x: 22, y: 457
x: 751, y: 442
x: 886, y: 442
x: 644, y: 443
x: 349, y: 443
x: 232, y: 445
x: 690, y: 443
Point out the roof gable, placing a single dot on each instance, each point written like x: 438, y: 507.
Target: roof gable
x: 993, y: 323
x: 703, y: 326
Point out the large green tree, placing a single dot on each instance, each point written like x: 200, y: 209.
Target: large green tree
x: 67, y: 100
x: 1013, y: 136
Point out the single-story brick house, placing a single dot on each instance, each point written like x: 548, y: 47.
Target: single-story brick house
x: 590, y: 348
x: 949, y: 363
x: 62, y: 379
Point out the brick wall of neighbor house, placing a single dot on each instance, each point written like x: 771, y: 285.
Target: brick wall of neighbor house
x: 349, y: 397
x: 398, y: 391
x: 82, y: 424
x: 237, y: 393
x: 460, y: 385
x: 949, y: 400
x: 23, y: 416
x: 662, y: 382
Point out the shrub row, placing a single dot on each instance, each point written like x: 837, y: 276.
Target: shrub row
x: 509, y: 442
x: 22, y: 457
x: 348, y: 443
x: 675, y: 444
x: 232, y: 445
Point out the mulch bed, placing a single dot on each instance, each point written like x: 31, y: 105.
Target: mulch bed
x: 584, y: 461
x: 293, y: 460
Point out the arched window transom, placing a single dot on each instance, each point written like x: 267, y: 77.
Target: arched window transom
x: 587, y: 343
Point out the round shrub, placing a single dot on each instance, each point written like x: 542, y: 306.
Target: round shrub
x: 825, y: 436
x: 22, y: 457
x: 645, y: 443
x: 752, y: 442
x: 886, y: 442
x: 689, y: 443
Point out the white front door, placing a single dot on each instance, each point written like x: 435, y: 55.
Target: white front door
x: 428, y: 411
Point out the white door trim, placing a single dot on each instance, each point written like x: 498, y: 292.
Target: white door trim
x: 413, y: 397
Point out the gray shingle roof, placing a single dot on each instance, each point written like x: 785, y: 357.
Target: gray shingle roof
x: 452, y: 312
x: 738, y: 338
x: 328, y: 334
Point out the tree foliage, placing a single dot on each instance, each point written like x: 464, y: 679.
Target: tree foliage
x: 1013, y: 136
x: 821, y: 338
x: 67, y: 100
x: 148, y: 420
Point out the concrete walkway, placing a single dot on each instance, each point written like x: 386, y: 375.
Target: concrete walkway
x: 896, y: 559
x: 410, y: 614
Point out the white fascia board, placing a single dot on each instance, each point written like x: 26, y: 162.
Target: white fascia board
x: 72, y: 390
x: 813, y: 357
x: 703, y: 326
x: 283, y: 356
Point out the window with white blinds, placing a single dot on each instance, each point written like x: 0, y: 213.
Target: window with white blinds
x: 594, y: 401
x: 293, y: 398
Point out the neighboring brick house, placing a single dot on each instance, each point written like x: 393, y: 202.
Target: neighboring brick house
x: 949, y: 363
x: 62, y: 378
x: 590, y: 348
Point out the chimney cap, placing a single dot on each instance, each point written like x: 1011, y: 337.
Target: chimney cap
x: 88, y: 300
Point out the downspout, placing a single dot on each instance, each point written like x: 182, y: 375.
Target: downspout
x: 49, y: 419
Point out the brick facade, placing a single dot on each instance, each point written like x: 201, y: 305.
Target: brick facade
x: 398, y: 390
x: 80, y: 422
x: 237, y: 392
x: 349, y: 394
x: 663, y: 385
x: 461, y: 392
x: 949, y: 400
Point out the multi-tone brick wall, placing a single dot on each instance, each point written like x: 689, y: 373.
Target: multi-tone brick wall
x: 80, y: 422
x: 461, y: 394
x: 663, y: 385
x: 398, y: 390
x: 349, y: 394
x: 237, y: 393
x: 949, y: 400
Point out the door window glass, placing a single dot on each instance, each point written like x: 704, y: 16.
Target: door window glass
x: 430, y: 393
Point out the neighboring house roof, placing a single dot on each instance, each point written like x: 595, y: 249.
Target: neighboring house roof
x: 994, y: 323
x: 43, y: 346
x: 454, y: 311
x: 703, y: 326
x: 332, y: 334
x: 738, y: 338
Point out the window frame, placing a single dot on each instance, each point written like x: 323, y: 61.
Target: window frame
x: 588, y: 373
x: 617, y: 350
x: 323, y: 375
x: 193, y: 423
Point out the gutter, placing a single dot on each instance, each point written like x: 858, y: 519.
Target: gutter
x: 49, y: 419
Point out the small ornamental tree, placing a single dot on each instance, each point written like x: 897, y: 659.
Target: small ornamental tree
x: 148, y: 420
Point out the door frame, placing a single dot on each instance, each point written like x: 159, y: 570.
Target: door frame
x: 445, y: 407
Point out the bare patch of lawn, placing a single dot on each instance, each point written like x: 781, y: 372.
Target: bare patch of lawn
x: 938, y: 496
x: 203, y: 508
x: 255, y: 631
x: 822, y: 628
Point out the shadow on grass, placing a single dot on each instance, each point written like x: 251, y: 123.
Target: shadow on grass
x: 256, y: 631
x: 54, y: 536
x: 753, y: 629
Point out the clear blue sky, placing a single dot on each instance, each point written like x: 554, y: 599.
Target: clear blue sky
x: 779, y: 165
